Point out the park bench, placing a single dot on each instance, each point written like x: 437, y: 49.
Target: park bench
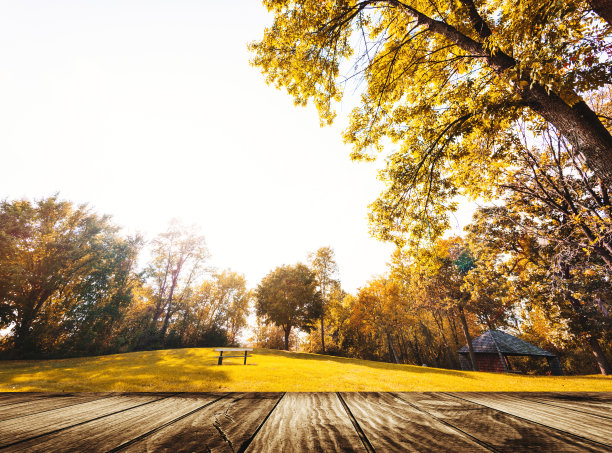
x: 222, y: 350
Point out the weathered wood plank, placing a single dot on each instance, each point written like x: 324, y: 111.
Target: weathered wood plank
x: 500, y: 431
x: 308, y: 422
x: 591, y: 427
x: 109, y: 433
x: 55, y: 401
x: 19, y: 429
x: 8, y: 399
x: 225, y: 426
x: 594, y: 404
x: 392, y: 424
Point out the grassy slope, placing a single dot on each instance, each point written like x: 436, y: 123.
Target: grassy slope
x: 196, y: 370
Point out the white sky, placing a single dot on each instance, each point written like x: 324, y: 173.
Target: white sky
x: 149, y: 110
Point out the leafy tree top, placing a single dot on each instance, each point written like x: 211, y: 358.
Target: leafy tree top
x: 444, y: 80
x: 288, y: 297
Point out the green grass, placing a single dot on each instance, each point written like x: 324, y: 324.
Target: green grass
x: 196, y: 370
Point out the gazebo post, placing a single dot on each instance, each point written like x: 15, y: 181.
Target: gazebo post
x: 555, y: 366
x: 502, y: 358
x: 508, y: 363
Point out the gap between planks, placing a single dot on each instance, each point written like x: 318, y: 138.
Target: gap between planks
x: 89, y: 420
x: 347, y: 407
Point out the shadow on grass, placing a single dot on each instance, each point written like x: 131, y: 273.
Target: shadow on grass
x: 366, y: 363
x: 139, y: 370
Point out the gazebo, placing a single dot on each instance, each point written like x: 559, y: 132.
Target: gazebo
x: 493, y: 348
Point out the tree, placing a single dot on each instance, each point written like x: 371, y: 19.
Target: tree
x: 603, y: 8
x: 288, y: 297
x: 382, y: 310
x: 178, y: 257
x: 99, y: 301
x: 220, y: 303
x: 237, y: 297
x: 571, y: 293
x: 59, y: 263
x: 553, y: 228
x: 421, y: 286
x: 441, y: 272
x: 325, y: 269
x: 446, y: 80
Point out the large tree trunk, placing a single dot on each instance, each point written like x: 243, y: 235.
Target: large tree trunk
x: 577, y: 122
x: 602, y: 361
x: 603, y: 8
x: 22, y: 335
x: 287, y: 331
x: 159, y: 309
x: 468, y: 338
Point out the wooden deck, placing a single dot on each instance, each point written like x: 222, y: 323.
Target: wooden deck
x: 305, y: 422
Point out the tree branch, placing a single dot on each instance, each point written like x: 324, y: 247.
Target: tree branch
x: 478, y: 22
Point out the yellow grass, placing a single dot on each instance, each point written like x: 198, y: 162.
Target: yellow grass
x: 196, y: 370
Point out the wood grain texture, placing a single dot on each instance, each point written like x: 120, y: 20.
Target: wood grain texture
x: 225, y: 426
x: 500, y: 431
x: 50, y: 402
x: 139, y: 422
x: 594, y: 404
x: 110, y: 432
x: 22, y: 428
x: 591, y: 427
x: 304, y: 422
x: 392, y: 424
x: 8, y: 399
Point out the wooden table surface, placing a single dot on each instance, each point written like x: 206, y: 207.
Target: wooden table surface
x: 305, y: 422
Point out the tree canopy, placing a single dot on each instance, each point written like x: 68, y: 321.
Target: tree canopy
x: 446, y: 81
x: 288, y: 297
x: 62, y: 266
x: 70, y: 284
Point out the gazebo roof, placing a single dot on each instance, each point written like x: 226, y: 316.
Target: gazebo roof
x: 494, y: 341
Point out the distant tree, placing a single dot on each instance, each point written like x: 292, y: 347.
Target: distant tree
x: 99, y: 301
x: 382, y: 311
x: 63, y: 271
x: 325, y: 269
x: 288, y: 297
x: 236, y: 296
x: 220, y: 304
x: 441, y: 270
x: 178, y: 258
x: 427, y: 301
x: 271, y: 336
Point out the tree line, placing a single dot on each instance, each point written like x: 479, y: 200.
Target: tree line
x: 434, y: 300
x: 504, y: 102
x: 71, y: 284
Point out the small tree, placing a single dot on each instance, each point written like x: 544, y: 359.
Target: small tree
x: 178, y: 258
x: 325, y: 269
x: 288, y: 297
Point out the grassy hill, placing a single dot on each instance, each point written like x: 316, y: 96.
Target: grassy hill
x: 196, y: 369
